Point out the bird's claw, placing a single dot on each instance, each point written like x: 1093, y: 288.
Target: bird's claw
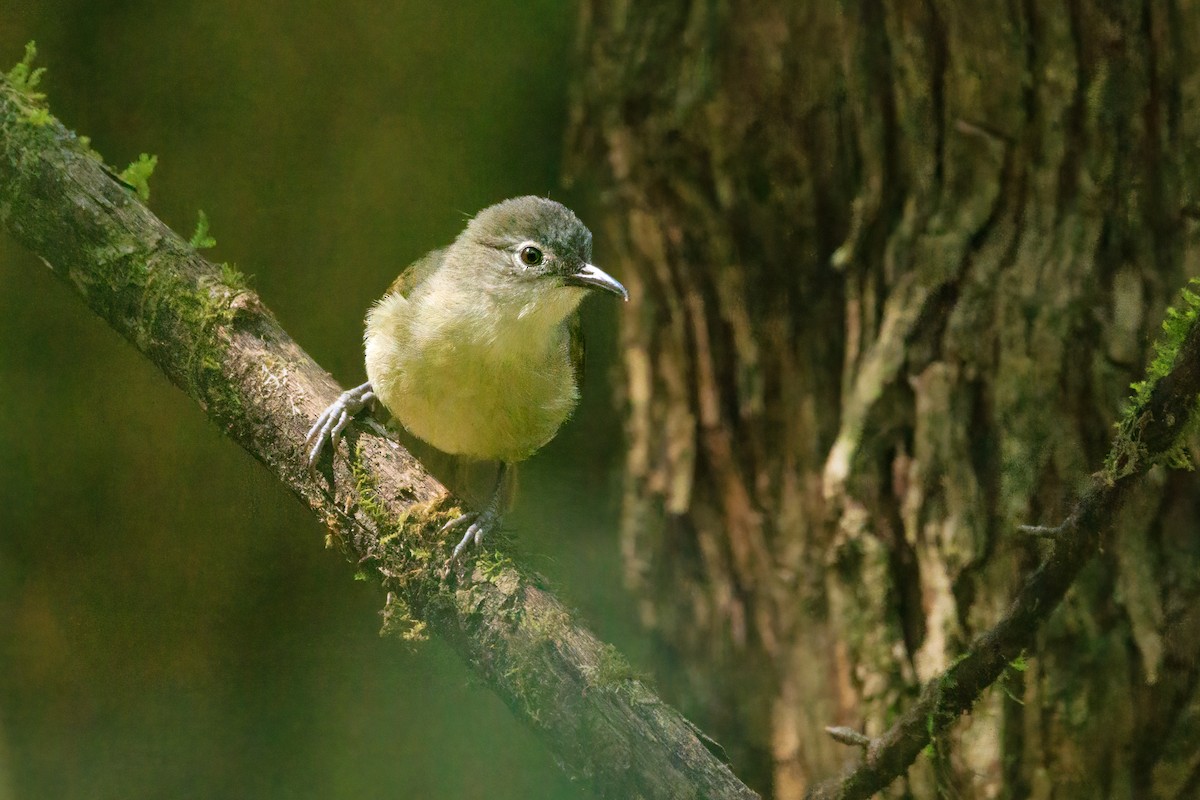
x: 333, y: 421
x: 482, y: 523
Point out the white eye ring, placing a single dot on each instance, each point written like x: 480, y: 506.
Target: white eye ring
x: 529, y: 254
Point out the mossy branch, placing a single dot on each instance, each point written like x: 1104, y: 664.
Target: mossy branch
x: 1152, y: 431
x: 215, y: 340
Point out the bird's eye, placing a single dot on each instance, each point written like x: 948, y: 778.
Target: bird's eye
x: 530, y: 256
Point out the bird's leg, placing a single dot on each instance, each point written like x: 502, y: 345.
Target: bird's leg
x: 482, y: 522
x: 333, y: 420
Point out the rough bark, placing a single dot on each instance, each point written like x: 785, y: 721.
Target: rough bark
x: 215, y: 340
x: 892, y: 268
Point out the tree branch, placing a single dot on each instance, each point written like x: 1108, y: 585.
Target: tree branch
x: 215, y: 339
x: 1145, y: 437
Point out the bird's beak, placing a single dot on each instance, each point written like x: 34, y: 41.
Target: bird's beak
x: 590, y: 277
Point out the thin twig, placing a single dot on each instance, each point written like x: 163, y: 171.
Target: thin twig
x: 1149, y: 434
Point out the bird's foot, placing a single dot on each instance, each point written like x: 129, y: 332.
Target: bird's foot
x: 481, y: 524
x: 333, y: 421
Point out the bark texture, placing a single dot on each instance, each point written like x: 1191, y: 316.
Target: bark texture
x: 892, y: 269
x: 215, y: 339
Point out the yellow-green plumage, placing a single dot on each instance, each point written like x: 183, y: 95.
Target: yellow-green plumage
x: 476, y: 348
x: 470, y: 373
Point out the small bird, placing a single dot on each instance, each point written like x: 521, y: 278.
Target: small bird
x: 476, y: 347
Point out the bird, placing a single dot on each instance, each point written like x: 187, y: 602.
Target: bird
x: 476, y: 348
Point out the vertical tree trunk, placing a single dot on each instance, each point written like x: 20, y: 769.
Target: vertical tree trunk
x: 893, y: 267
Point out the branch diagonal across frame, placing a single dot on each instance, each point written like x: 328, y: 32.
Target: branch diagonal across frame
x: 216, y: 340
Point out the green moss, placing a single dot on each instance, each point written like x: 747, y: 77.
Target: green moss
x: 612, y: 669
x: 366, y: 487
x: 526, y: 686
x: 202, y: 239
x: 233, y: 277
x: 929, y: 749
x: 206, y: 309
x: 177, y: 322
x: 492, y: 563
x: 415, y: 519
x: 1128, y: 454
x: 406, y: 554
x: 24, y: 77
x: 398, y: 620
x: 137, y: 175
x: 38, y: 116
x: 1175, y: 329
x: 549, y: 624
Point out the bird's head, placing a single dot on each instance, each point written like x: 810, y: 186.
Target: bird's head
x: 532, y: 254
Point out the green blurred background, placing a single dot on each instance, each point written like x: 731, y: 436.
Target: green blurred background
x: 171, y: 624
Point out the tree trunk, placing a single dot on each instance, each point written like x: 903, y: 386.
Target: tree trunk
x: 892, y: 269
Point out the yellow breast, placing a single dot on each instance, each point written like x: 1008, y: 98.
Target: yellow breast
x: 466, y: 385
